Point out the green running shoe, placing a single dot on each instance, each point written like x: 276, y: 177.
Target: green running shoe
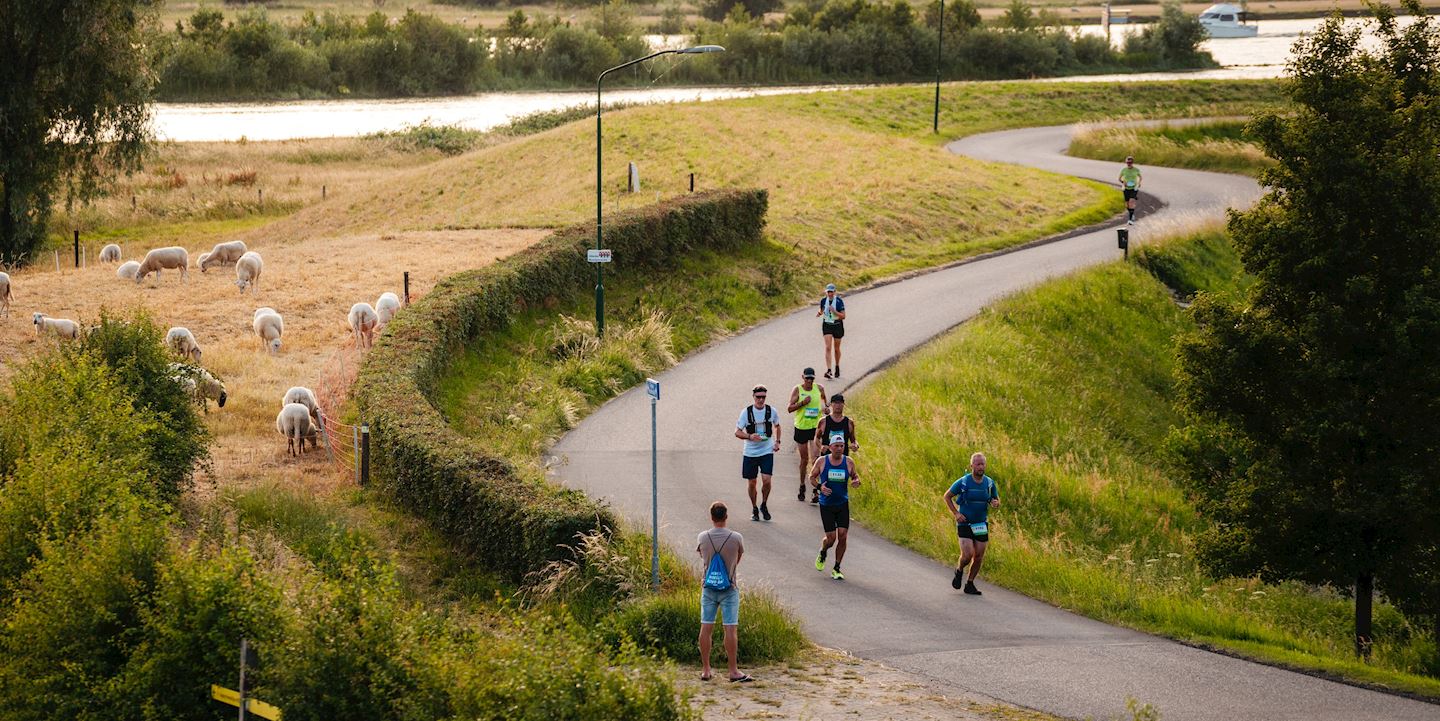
x: 837, y: 575
x: 820, y: 562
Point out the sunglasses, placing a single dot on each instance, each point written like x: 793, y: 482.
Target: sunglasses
x: 759, y: 395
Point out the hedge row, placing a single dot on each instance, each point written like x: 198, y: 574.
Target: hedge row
x: 512, y: 522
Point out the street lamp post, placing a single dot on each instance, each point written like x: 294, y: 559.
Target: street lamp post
x: 939, y: 59
x: 599, y: 188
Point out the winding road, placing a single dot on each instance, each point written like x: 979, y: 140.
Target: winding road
x: 897, y: 607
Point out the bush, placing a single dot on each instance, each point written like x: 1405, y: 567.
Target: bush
x: 1173, y: 40
x: 511, y: 522
x: 669, y: 624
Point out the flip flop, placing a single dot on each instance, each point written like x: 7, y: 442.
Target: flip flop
x: 703, y: 677
x: 743, y: 678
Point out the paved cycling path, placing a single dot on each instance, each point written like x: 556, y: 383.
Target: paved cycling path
x: 897, y: 606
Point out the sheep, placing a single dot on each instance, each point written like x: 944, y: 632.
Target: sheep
x: 362, y: 322
x: 222, y: 254
x: 59, y: 326
x: 385, y: 307
x: 305, y: 397
x: 162, y: 258
x: 5, y: 294
x: 128, y: 270
x: 269, y: 326
x: 293, y: 422
x: 182, y: 341
x: 247, y: 270
x: 200, y: 384
x: 110, y: 254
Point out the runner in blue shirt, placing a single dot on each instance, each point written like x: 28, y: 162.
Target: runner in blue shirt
x: 833, y: 475
x: 970, y: 500
x: 832, y: 327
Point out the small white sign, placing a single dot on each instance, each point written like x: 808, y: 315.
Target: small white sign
x: 598, y: 256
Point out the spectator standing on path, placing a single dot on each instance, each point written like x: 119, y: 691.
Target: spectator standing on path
x: 1130, y: 183
x: 728, y: 546
x: 832, y: 327
x: 759, y: 427
x: 834, y: 474
x: 970, y: 500
x: 807, y: 402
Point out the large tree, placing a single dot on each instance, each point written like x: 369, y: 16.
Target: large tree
x: 74, y: 106
x: 1313, y: 403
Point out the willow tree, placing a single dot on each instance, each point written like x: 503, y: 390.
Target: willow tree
x: 1313, y: 403
x: 75, y: 88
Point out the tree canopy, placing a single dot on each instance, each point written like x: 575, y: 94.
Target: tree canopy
x: 1313, y: 403
x: 75, y: 87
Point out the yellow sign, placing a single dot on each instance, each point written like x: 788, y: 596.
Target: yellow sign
x: 255, y: 706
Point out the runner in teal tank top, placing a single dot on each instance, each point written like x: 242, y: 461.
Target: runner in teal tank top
x: 970, y: 500
x: 833, y: 475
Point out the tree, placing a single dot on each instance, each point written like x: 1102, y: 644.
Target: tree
x: 1173, y: 40
x: 717, y: 10
x: 75, y: 86
x: 1313, y: 404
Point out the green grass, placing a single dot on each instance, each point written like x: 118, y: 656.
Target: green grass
x: 1067, y: 388
x: 1221, y: 146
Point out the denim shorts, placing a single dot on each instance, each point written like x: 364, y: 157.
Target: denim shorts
x: 727, y: 602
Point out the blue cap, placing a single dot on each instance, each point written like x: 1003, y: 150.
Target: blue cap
x: 829, y: 287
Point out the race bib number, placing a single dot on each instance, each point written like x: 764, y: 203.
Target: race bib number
x: 979, y: 529
x: 812, y: 412
x: 836, y: 475
x: 1130, y: 184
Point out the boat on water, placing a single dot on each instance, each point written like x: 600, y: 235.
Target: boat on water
x: 1228, y: 21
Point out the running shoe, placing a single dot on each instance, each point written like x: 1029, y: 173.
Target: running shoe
x: 754, y: 513
x: 837, y: 575
x: 959, y: 581
x: 971, y: 589
x: 827, y: 373
x: 837, y: 370
x: 765, y: 511
x: 801, y: 495
x: 820, y: 562
x: 815, y: 497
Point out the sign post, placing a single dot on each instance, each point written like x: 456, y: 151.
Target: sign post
x: 652, y: 387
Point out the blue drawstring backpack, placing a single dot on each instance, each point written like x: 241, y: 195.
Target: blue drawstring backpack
x: 717, y: 576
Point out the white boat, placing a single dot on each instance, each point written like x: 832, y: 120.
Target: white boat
x: 1227, y: 21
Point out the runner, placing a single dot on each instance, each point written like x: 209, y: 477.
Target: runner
x: 759, y: 427
x: 832, y: 327
x: 970, y: 500
x: 834, y: 474
x: 837, y: 422
x: 807, y: 402
x: 1130, y: 182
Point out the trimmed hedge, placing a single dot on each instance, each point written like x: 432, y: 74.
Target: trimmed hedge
x: 514, y: 523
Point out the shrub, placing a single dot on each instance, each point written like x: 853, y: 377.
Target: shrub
x: 511, y: 522
x: 1173, y: 40
x: 669, y: 624
x: 448, y: 139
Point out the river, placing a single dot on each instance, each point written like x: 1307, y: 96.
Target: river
x: 1262, y: 56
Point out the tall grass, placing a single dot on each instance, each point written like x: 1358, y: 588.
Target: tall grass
x: 1221, y: 146
x: 1067, y: 388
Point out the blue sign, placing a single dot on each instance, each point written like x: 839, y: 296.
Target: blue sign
x: 652, y: 387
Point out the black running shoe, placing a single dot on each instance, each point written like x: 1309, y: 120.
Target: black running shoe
x: 837, y: 370
x: 765, y: 511
x: 971, y: 589
x: 754, y: 513
x: 801, y: 495
x: 815, y: 497
x: 827, y: 373
x: 959, y: 580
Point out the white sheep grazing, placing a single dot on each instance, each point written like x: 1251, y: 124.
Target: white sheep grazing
x: 293, y: 422
x: 247, y: 270
x: 386, y: 306
x: 305, y: 397
x: 59, y: 326
x: 362, y: 322
x: 128, y: 270
x: 110, y: 254
x: 200, y: 384
x: 5, y: 294
x: 269, y: 326
x: 182, y: 341
x: 163, y: 258
x: 222, y: 254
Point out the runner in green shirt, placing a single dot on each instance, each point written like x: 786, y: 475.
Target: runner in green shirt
x: 807, y: 402
x: 1130, y: 184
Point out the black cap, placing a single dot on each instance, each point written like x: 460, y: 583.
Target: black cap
x: 837, y: 398
x: 807, y: 373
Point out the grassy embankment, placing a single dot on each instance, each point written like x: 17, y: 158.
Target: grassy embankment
x: 1068, y: 388
x: 1221, y: 146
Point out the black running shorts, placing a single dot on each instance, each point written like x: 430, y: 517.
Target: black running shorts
x: 833, y: 517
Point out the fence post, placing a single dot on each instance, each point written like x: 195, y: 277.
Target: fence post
x: 355, y: 445
x: 364, y: 454
x: 132, y: 203
x: 692, y: 182
x: 260, y: 197
x: 407, y: 287
x: 77, y: 249
x: 325, y: 434
x: 322, y: 192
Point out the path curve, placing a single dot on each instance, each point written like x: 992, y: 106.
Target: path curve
x: 897, y: 607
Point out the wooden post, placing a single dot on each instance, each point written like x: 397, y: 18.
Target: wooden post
x: 322, y: 192
x: 77, y: 249
x: 407, y: 288
x: 260, y: 196
x: 692, y: 182
x: 244, y: 651
x: 364, y: 454
x: 132, y: 203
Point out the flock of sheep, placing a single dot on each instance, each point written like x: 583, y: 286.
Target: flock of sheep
x: 300, y: 416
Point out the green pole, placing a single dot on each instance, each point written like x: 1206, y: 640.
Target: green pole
x: 599, y: 267
x: 939, y: 59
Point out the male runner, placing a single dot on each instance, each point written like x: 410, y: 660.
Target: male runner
x: 832, y: 327
x: 1130, y: 182
x: 759, y: 427
x: 807, y: 402
x: 970, y: 500
x: 837, y: 422
x: 834, y: 474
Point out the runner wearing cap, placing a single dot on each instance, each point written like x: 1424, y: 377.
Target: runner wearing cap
x: 1130, y: 184
x: 833, y: 475
x: 759, y: 427
x: 807, y: 402
x: 970, y: 500
x: 832, y: 327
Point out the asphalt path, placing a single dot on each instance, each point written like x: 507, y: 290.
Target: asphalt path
x: 896, y: 606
